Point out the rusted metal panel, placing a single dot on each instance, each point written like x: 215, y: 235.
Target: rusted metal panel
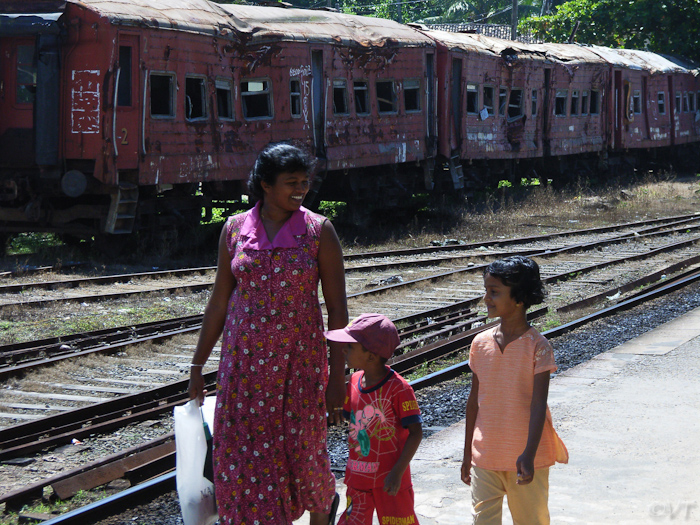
x: 654, y: 63
x: 271, y: 23
x: 199, y: 16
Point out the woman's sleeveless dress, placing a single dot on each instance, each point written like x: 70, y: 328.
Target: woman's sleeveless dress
x: 270, y: 456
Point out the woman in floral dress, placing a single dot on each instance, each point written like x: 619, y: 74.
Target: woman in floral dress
x: 274, y: 390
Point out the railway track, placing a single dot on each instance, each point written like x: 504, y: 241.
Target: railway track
x: 585, y: 271
x: 593, y: 273
x: 150, y: 467
x: 32, y: 293
x: 565, y: 276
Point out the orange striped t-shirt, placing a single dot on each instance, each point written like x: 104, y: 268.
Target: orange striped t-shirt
x: 505, y: 392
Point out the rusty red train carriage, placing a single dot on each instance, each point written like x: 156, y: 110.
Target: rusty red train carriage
x: 511, y: 110
x: 123, y: 115
x: 155, y: 102
x: 358, y: 90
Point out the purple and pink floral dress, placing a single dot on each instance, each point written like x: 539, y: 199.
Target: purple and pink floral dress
x: 270, y: 457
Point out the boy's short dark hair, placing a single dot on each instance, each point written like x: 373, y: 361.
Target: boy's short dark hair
x: 276, y: 158
x: 522, y: 275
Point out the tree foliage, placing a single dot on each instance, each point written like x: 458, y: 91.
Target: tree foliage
x: 662, y: 26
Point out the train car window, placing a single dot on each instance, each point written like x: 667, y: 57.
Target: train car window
x: 595, y: 102
x: 361, y: 92
x: 502, y: 99
x: 224, y: 99
x: 584, y: 102
x: 678, y: 101
x: 256, y: 99
x: 488, y: 99
x: 124, y: 87
x: 472, y: 99
x: 26, y: 74
x: 560, y: 102
x: 295, y: 97
x: 685, y: 102
x: 691, y: 101
x: 574, y: 103
x: 162, y: 95
x: 411, y: 95
x: 515, y: 103
x: 386, y: 96
x: 195, y: 98
x: 661, y: 102
x: 637, y: 102
x: 533, y: 105
x: 340, y: 97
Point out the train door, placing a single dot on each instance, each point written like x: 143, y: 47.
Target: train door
x: 455, y: 163
x: 18, y: 74
x: 546, y: 113
x: 430, y: 94
x: 127, y: 105
x: 318, y: 102
x: 672, y: 110
x: 646, y: 105
x: 618, y: 109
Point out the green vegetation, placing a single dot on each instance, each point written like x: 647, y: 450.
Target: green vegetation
x: 332, y: 209
x: 28, y: 243
x: 669, y: 27
x: 53, y: 507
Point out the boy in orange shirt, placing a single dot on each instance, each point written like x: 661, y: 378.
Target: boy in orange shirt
x: 510, y: 442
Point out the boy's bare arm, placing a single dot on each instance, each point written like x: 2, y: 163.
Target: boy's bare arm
x: 538, y: 412
x: 471, y: 412
x: 392, y: 483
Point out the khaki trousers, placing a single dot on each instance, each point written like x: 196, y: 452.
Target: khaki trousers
x: 527, y: 503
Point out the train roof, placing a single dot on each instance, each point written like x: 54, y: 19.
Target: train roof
x: 199, y: 16
x: 512, y: 50
x: 644, y: 60
x: 249, y: 23
x: 277, y: 23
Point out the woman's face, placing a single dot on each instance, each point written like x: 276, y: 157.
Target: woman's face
x: 288, y: 191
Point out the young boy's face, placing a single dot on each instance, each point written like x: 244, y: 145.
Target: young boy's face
x: 355, y: 355
x: 499, y: 302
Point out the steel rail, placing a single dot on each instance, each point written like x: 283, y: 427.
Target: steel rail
x: 548, y: 253
x: 125, y: 278
x: 525, y: 252
x: 61, y: 428
x: 58, y: 351
x: 463, y: 367
x: 517, y: 240
x: 207, y: 285
x: 103, y: 279
x: 28, y: 270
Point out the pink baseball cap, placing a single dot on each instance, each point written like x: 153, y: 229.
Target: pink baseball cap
x: 373, y: 331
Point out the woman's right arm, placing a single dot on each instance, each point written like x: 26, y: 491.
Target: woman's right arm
x: 214, y: 318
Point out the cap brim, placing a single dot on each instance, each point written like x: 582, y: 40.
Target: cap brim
x: 339, y: 336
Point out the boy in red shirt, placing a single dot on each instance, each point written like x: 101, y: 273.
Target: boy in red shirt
x: 510, y: 442
x: 385, y: 425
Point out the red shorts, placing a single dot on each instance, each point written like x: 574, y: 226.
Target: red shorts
x: 391, y: 510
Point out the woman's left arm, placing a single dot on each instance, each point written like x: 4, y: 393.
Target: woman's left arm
x: 332, y: 275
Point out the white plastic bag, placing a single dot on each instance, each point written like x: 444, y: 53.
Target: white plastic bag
x: 195, y: 492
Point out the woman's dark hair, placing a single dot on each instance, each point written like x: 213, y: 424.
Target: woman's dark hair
x: 276, y: 158
x: 522, y: 275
